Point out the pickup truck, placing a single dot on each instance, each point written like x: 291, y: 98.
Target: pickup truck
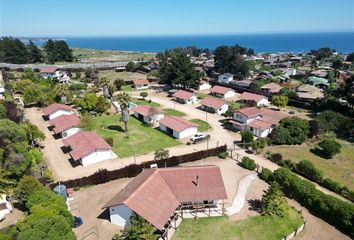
x: 199, y: 137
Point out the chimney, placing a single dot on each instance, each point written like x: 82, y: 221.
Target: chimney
x: 197, y: 182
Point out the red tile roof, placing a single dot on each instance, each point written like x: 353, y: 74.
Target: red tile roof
x: 272, y: 87
x: 183, y: 94
x: 141, y: 81
x: 64, y: 122
x: 212, y: 102
x: 220, y: 90
x: 156, y: 193
x: 176, y: 123
x: 251, y: 97
x: 48, y: 69
x: 84, y: 143
x: 272, y: 116
x: 258, y: 123
x: 249, y: 111
x: 143, y: 110
x: 55, y: 107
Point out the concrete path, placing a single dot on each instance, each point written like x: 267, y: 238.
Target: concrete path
x: 240, y: 198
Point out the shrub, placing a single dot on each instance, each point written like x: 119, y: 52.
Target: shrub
x: 247, y: 136
x: 276, y: 158
x: 307, y: 169
x: 332, y: 185
x: 144, y: 95
x: 266, y: 174
x: 223, y: 155
x: 48, y: 175
x: 291, y: 131
x: 109, y: 140
x: 248, y: 163
x: 330, y: 147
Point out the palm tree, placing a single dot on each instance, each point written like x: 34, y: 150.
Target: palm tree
x: 104, y: 84
x: 124, y: 99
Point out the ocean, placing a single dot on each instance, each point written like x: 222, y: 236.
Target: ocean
x: 272, y: 43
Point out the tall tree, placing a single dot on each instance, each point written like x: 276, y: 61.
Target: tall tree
x: 124, y: 99
x: 34, y: 53
x: 139, y: 229
x: 13, y: 50
x: 273, y: 201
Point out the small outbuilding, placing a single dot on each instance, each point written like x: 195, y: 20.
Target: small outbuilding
x: 57, y: 109
x: 141, y: 84
x: 222, y: 92
x: 148, y: 114
x: 65, y: 125
x: 254, y: 99
x: 178, y: 127
x: 214, y: 105
x: 185, y: 97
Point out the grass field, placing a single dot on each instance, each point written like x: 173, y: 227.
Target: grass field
x: 127, y: 88
x: 201, y: 95
x: 340, y: 168
x: 145, y: 102
x: 143, y: 138
x: 112, y: 75
x: 203, y: 125
x: 173, y: 112
x: 253, y: 228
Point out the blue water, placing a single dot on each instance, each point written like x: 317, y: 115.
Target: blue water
x: 281, y: 42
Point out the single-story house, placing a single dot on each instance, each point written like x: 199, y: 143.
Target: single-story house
x: 5, y: 207
x: 243, y: 83
x: 225, y: 78
x: 2, y: 91
x: 185, y: 97
x: 148, y: 114
x: 271, y: 88
x: 309, y: 92
x: 319, y: 73
x: 222, y: 92
x: 57, y: 109
x: 141, y: 84
x: 178, y: 127
x: 48, y: 72
x: 162, y: 196
x: 318, y: 82
x: 254, y: 99
x: 214, y: 105
x: 65, y: 125
x: 260, y: 128
x: 244, y: 116
x: 204, y: 85
x: 88, y: 148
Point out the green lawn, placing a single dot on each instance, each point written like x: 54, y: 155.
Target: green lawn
x: 253, y: 228
x: 112, y: 75
x: 127, y: 88
x: 145, y: 102
x: 144, y: 138
x: 173, y: 112
x: 340, y: 168
x: 203, y: 125
x: 201, y: 95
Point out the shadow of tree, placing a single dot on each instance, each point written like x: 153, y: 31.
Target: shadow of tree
x: 255, y: 205
x: 115, y: 128
x: 317, y: 151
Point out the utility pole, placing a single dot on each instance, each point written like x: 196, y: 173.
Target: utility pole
x: 133, y: 153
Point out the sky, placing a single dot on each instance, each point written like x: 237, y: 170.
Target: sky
x: 55, y: 18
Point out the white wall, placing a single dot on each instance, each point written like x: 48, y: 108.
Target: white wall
x: 97, y: 156
x: 59, y: 113
x: 120, y: 215
x: 229, y: 94
x: 223, y: 109
x: 70, y: 132
x: 138, y: 87
x: 259, y: 132
x: 242, y: 118
x: 185, y: 133
x: 204, y: 86
x: 150, y: 119
x: 263, y: 102
x: 192, y: 100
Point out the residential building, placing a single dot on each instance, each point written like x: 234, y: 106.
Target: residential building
x: 57, y: 109
x: 222, y: 92
x: 318, y: 82
x: 204, y: 85
x: 48, y: 72
x: 141, y: 84
x: 65, y: 125
x: 148, y: 114
x: 178, y: 127
x: 244, y: 116
x: 226, y: 78
x: 88, y: 148
x: 214, y: 105
x: 254, y: 99
x: 163, y: 196
x: 5, y: 207
x: 182, y: 96
x: 309, y: 92
x: 243, y: 83
x: 271, y: 88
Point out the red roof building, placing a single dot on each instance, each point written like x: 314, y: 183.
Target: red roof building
x: 56, y: 109
x: 257, y: 99
x: 249, y: 111
x: 176, y: 123
x: 141, y: 84
x: 49, y: 69
x: 223, y: 92
x: 155, y: 194
x: 215, y: 105
x: 64, y: 122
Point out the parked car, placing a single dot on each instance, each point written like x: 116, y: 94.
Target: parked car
x: 291, y: 112
x: 77, y: 222
x: 199, y: 137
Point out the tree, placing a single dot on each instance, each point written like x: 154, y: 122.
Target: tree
x: 322, y: 53
x: 179, y: 71
x: 307, y: 168
x: 88, y: 102
x: 13, y: 50
x: 11, y: 131
x: 314, y: 128
x: 102, y: 104
x: 118, y: 83
x: 87, y: 122
x: 124, y: 99
x: 7, y: 184
x: 28, y: 73
x: 350, y: 57
x: 130, y: 67
x: 248, y: 163
x: 32, y: 94
x: 330, y: 147
x: 280, y: 101
x: 57, y: 51
x: 337, y: 64
x: 32, y: 131
x: 273, y: 201
x: 144, y: 95
x: 259, y: 144
x: 161, y: 154
x: 247, y: 136
x: 290, y: 131
x: 329, y: 121
x: 139, y: 229
x: 34, y: 53
x: 26, y: 186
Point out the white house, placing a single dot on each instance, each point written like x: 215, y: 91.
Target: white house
x: 48, y: 72
x: 222, y: 92
x: 5, y: 207
x: 57, y: 109
x: 254, y: 99
x: 88, y: 148
x: 148, y: 114
x: 203, y: 85
x: 214, y: 105
x: 244, y: 116
x: 141, y: 84
x: 178, y: 127
x: 260, y: 128
x: 2, y: 91
x: 65, y: 125
x: 184, y: 97
x: 225, y: 78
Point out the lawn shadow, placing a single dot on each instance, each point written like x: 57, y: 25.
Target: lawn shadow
x: 317, y: 151
x: 255, y: 205
x: 104, y: 215
x: 115, y: 128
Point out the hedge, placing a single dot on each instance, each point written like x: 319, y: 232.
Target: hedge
x: 248, y: 163
x: 331, y: 209
x: 103, y: 175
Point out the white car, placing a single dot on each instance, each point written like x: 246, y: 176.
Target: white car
x: 198, y: 136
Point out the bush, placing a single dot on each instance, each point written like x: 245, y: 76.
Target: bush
x: 330, y: 147
x: 276, y: 158
x: 248, y: 163
x: 307, y: 169
x: 247, y: 136
x: 332, y: 185
x: 266, y: 175
x: 291, y: 131
x: 223, y: 155
x: 109, y: 140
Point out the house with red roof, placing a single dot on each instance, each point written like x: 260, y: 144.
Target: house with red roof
x: 141, y: 84
x: 186, y: 97
x: 148, y: 114
x: 254, y: 99
x: 222, y: 92
x: 88, y: 148
x: 214, y: 105
x: 244, y: 116
x: 163, y: 196
x: 271, y: 88
x: 57, y: 109
x: 178, y: 127
x: 48, y: 72
x: 65, y: 125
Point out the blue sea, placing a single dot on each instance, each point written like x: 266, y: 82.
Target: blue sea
x: 280, y: 42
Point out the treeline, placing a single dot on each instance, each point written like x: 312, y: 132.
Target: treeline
x: 13, y: 50
x: 331, y: 209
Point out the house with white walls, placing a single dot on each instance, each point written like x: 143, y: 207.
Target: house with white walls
x: 222, y: 92
x: 148, y: 114
x: 226, y: 78
x: 141, y: 84
x: 65, y: 125
x: 254, y: 99
x: 185, y: 97
x: 214, y: 105
x: 178, y: 127
x: 57, y: 109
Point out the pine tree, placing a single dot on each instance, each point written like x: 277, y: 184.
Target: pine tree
x: 273, y: 201
x: 34, y: 53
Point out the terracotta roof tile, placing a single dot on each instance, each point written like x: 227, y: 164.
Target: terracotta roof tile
x: 251, y: 97
x: 55, y: 107
x: 48, y: 69
x: 143, y: 110
x: 64, y: 122
x: 249, y: 111
x: 183, y: 94
x: 176, y: 123
x: 141, y: 81
x: 258, y: 123
x: 212, y: 102
x: 220, y: 89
